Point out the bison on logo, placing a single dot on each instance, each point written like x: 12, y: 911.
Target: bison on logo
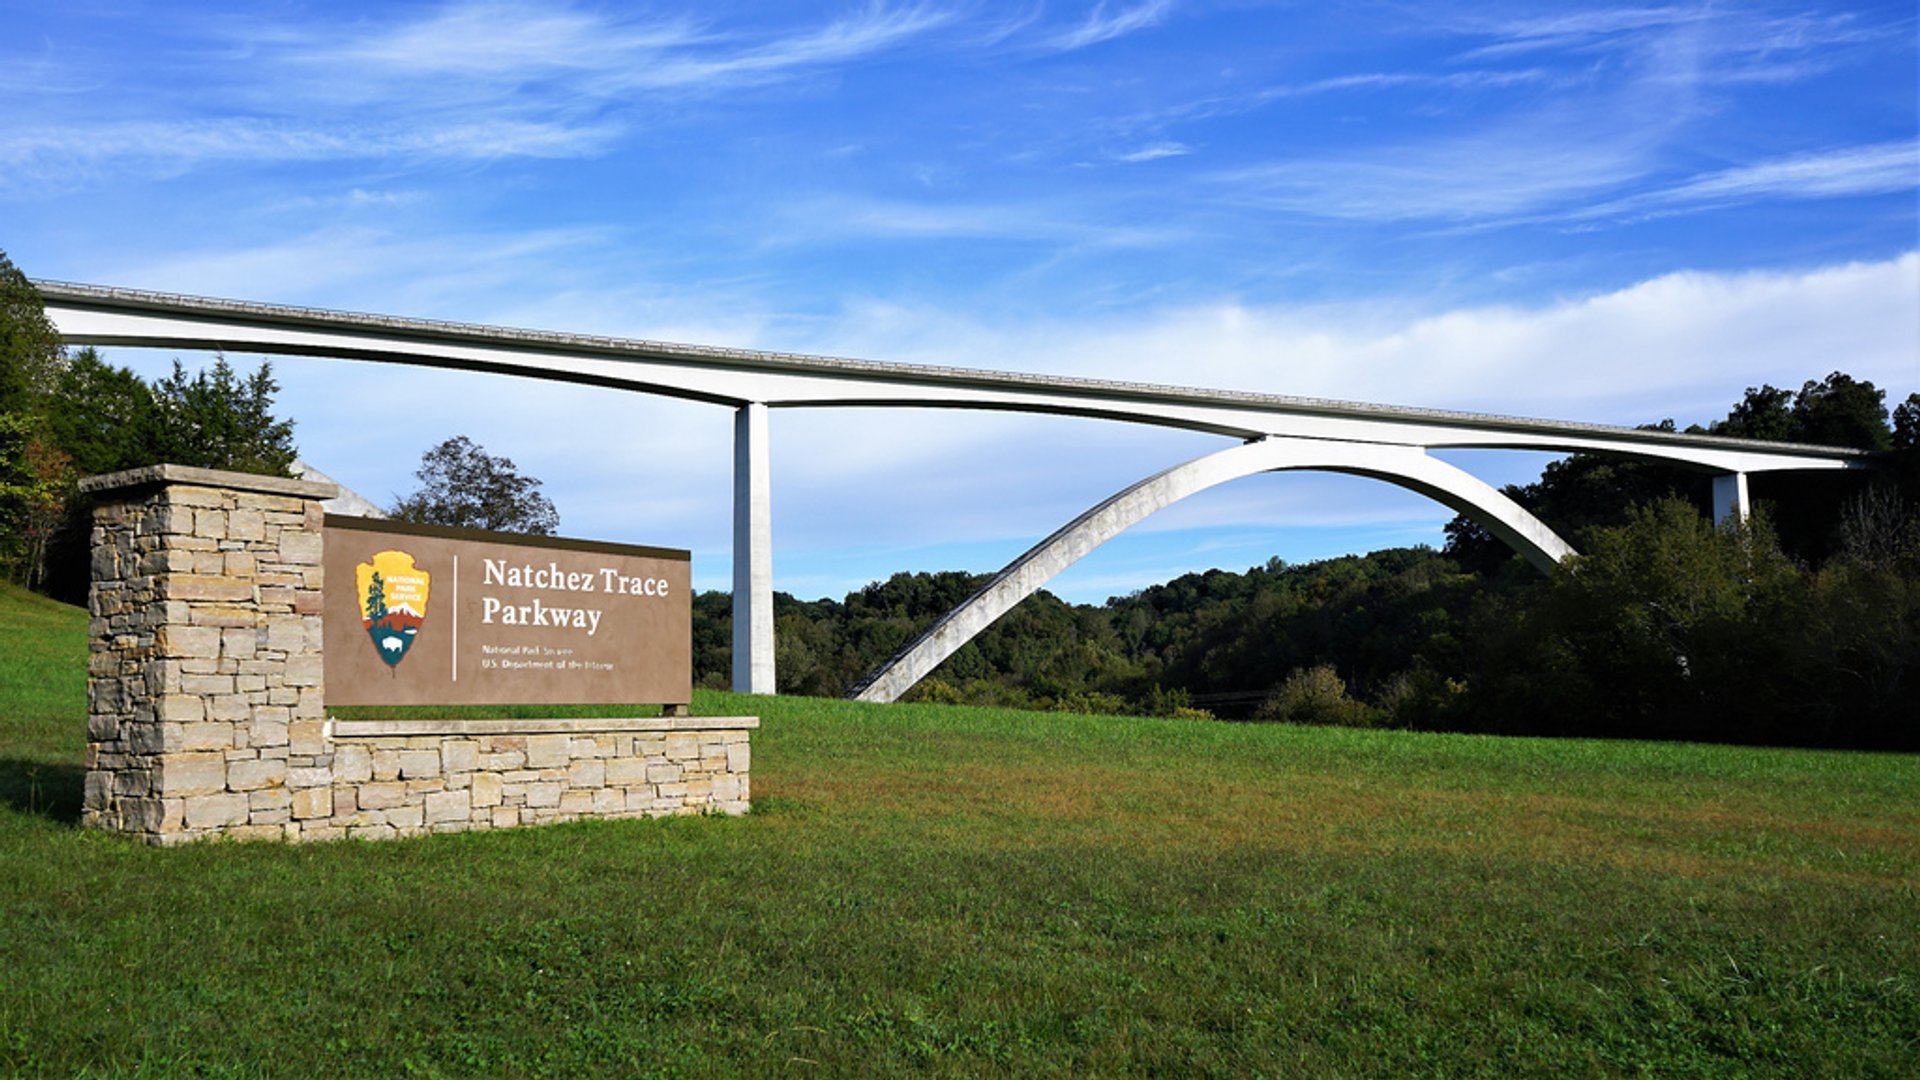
x: 393, y: 602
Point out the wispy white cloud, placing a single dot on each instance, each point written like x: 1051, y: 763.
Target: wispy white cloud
x: 1858, y: 170
x: 517, y: 50
x: 1484, y: 174
x: 1719, y: 45
x: 480, y: 80
x: 837, y: 219
x: 44, y: 154
x: 1103, y: 24
x: 1154, y: 152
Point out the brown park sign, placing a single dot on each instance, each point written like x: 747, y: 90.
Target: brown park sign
x: 423, y: 615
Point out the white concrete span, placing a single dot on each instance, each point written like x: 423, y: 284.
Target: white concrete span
x: 1313, y: 433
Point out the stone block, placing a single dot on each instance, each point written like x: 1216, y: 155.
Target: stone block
x: 738, y: 757
x: 268, y: 726
x: 459, y: 755
x: 313, y: 802
x: 183, y: 641
x: 352, y: 763
x: 222, y: 616
x: 683, y: 746
x: 486, y: 789
x: 386, y: 764
x: 153, y: 815
x: 246, y: 525
x: 625, y: 771
x: 311, y: 705
x: 195, y: 496
x: 103, y: 726
x: 271, y: 504
x: 215, y: 811
x: 305, y: 670
x: 548, y: 751
x: 307, y: 736
x: 419, y: 764
x: 203, y: 736
x: 130, y: 778
x: 190, y: 774
x: 229, y: 709
x: 380, y: 795
x: 166, y: 561
x: 409, y: 816
x: 96, y: 790
x: 256, y: 774
x: 286, y: 633
x: 576, y: 801
x: 239, y: 643
x: 609, y: 801
x: 267, y: 800
x: 206, y: 685
x: 171, y: 519
x: 663, y: 774
x: 300, y: 548
x: 204, y: 587
x: 309, y: 776
x: 504, y: 817
x: 590, y: 773
x: 447, y: 806
x: 543, y: 793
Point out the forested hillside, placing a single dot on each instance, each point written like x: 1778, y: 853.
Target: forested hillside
x: 1801, y: 627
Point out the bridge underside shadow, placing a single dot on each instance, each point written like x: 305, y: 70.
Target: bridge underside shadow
x: 1406, y: 466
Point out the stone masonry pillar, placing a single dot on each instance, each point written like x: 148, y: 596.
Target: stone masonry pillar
x: 205, y: 714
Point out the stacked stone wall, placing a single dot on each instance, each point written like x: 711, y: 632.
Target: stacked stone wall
x: 206, y: 709
x: 205, y: 712
x: 398, y: 778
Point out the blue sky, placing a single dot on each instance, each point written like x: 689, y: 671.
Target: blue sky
x: 1613, y: 214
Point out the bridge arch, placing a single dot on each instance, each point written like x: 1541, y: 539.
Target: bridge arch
x: 753, y: 381
x: 1406, y: 466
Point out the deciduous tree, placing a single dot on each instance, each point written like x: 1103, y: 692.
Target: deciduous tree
x: 464, y: 486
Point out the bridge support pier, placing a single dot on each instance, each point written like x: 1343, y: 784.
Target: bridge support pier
x: 752, y: 553
x: 1730, y: 498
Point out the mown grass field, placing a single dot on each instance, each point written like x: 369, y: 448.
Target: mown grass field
x: 972, y: 892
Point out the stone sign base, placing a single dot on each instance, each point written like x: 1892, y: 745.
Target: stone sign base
x: 398, y: 777
x: 205, y: 698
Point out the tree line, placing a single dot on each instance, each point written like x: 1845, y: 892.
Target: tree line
x: 1798, y: 626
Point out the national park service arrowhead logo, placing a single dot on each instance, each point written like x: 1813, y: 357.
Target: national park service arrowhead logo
x: 393, y: 602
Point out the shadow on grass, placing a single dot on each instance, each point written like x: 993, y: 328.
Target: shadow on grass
x: 42, y: 788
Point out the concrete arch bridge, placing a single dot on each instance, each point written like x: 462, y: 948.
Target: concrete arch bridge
x: 1268, y: 432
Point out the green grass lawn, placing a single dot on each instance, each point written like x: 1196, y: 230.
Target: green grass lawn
x: 966, y: 891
